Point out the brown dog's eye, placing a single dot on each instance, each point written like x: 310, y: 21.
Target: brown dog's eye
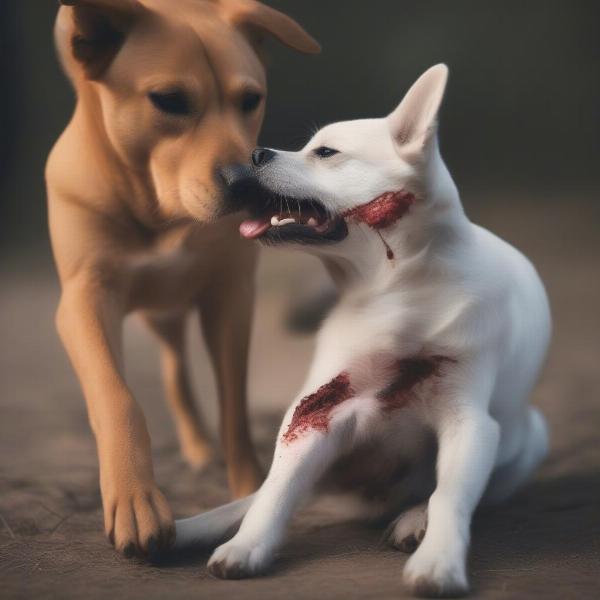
x: 171, y: 103
x: 250, y: 102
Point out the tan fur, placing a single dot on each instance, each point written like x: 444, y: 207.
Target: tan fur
x: 138, y: 222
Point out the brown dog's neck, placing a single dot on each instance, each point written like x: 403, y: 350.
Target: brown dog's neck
x: 131, y: 188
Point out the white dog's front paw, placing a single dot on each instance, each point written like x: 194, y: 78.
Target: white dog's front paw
x: 439, y: 574
x: 239, y: 560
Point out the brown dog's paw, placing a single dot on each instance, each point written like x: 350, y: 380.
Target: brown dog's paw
x: 140, y: 524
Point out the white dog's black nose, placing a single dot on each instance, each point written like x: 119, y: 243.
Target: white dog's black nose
x: 261, y: 156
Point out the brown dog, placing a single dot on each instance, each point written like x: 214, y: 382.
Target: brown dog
x: 170, y: 98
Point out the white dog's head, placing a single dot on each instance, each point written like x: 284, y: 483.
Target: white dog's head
x: 371, y: 171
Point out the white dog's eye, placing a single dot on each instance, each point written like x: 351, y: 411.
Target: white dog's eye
x: 325, y: 152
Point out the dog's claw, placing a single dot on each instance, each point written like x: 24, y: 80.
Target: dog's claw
x: 408, y: 545
x: 431, y: 575
x: 140, y: 524
x: 152, y: 548
x: 129, y: 550
x: 221, y: 570
x: 426, y: 588
x: 237, y: 561
x: 408, y: 530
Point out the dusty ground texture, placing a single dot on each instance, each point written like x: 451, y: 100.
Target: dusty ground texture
x: 544, y: 543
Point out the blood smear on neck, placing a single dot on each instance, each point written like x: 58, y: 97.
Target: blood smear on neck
x: 388, y: 251
x: 383, y: 211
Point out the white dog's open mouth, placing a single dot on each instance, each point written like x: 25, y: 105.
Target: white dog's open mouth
x: 284, y: 219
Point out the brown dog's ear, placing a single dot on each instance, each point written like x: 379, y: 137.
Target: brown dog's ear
x: 99, y: 30
x: 265, y: 20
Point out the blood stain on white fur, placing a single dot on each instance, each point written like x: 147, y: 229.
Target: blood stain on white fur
x: 313, y: 411
x: 383, y: 211
x: 408, y: 374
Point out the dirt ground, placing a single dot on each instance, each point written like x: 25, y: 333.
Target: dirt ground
x: 545, y: 543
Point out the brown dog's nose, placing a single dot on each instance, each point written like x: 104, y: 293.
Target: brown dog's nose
x: 261, y: 156
x: 235, y: 175
x: 239, y: 184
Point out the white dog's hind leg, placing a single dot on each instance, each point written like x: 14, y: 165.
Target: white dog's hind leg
x: 212, y: 527
x: 468, y: 442
x: 508, y: 478
x: 408, y: 530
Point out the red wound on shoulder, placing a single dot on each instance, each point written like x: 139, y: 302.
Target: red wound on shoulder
x: 408, y: 374
x: 314, y: 411
x: 383, y: 211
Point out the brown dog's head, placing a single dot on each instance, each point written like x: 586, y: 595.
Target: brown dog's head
x: 179, y: 87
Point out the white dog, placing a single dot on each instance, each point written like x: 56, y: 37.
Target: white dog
x: 439, y: 335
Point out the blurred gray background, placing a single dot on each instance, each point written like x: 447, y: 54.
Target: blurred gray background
x: 522, y: 110
x: 520, y: 131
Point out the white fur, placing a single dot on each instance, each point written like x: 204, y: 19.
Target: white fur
x: 453, y: 289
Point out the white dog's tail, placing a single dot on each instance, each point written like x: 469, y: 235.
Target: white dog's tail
x: 209, y: 529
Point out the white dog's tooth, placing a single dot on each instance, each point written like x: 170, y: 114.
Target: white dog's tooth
x: 286, y: 221
x: 312, y: 222
x: 274, y: 220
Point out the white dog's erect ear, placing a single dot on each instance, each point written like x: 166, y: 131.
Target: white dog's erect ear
x: 99, y: 30
x: 265, y: 20
x: 414, y: 122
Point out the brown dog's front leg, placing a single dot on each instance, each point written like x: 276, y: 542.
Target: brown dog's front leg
x: 136, y: 515
x: 226, y: 316
x: 170, y: 331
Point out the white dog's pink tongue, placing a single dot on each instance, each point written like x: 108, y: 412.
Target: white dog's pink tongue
x: 253, y: 228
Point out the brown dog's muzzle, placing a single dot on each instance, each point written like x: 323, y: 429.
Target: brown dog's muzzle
x: 241, y: 186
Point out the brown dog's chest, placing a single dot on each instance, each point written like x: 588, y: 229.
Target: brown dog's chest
x: 172, y: 269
